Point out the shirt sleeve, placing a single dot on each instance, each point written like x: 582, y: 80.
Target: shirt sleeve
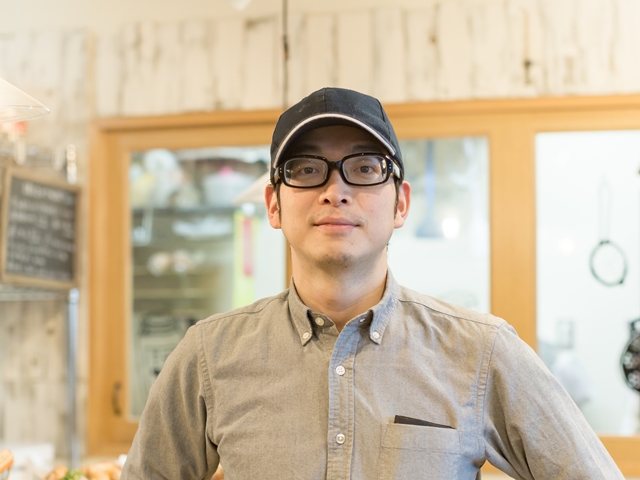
x: 532, y: 427
x: 171, y: 441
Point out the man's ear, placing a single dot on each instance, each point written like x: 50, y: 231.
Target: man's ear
x: 273, y: 209
x: 404, y: 201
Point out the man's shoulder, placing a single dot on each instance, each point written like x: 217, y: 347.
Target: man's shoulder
x: 263, y: 307
x: 444, y: 310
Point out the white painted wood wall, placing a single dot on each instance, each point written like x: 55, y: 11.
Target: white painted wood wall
x: 453, y: 49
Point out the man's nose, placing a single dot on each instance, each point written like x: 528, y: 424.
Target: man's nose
x: 336, y: 190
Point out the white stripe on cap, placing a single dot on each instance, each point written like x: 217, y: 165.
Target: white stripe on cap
x: 360, y: 124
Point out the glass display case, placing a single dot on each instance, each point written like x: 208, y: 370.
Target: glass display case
x: 194, y: 248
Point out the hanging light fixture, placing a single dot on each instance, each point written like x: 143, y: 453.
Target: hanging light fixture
x: 15, y: 105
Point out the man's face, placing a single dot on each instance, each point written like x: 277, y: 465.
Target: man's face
x: 337, y: 224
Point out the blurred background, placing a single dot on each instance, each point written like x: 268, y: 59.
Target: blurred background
x: 195, y: 246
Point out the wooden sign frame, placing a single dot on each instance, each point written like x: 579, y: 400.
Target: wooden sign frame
x: 26, y: 280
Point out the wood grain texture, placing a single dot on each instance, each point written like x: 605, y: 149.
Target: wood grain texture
x: 227, y: 63
x: 320, y: 52
x: 389, y: 65
x: 261, y: 74
x: 355, y: 51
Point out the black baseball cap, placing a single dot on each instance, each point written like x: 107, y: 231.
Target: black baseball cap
x: 334, y: 106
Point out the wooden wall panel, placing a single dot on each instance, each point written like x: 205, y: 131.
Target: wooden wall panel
x: 320, y: 47
x: 227, y: 60
x: 197, y: 70
x: 422, y: 60
x: 594, y: 38
x: 389, y: 65
x: 108, y: 72
x: 355, y: 57
x: 164, y: 84
x: 625, y: 61
x: 297, y: 58
x: 489, y: 49
x: 261, y: 72
x: 454, y: 43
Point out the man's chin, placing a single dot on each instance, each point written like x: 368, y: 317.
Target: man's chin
x: 337, y: 259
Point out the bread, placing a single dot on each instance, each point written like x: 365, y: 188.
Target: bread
x: 102, y: 471
x: 57, y: 473
x: 6, y: 460
x: 99, y: 471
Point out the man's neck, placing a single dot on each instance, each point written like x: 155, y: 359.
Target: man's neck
x: 340, y: 294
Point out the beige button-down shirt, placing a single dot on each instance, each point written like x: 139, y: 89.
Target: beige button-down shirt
x: 412, y: 389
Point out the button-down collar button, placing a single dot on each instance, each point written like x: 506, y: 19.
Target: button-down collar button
x: 376, y: 335
x: 362, y: 319
x: 340, y: 438
x: 319, y: 321
x: 306, y: 335
x: 340, y: 370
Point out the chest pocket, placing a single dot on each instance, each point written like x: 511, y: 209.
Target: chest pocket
x: 412, y: 452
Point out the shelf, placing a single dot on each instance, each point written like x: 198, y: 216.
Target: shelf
x: 142, y: 271
x: 202, y: 209
x: 13, y: 293
x: 173, y: 293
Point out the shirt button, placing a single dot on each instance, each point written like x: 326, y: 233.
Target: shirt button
x: 375, y: 335
x: 362, y: 319
x: 340, y: 438
x: 306, y: 335
x: 340, y: 370
x: 319, y: 321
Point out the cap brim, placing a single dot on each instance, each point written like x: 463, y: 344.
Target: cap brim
x: 323, y: 120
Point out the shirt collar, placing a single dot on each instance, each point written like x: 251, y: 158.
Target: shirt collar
x: 299, y: 315
x: 377, y: 317
x: 381, y: 312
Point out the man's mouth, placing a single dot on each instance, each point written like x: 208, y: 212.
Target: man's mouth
x: 335, y: 223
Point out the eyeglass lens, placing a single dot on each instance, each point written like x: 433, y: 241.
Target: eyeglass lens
x: 311, y: 172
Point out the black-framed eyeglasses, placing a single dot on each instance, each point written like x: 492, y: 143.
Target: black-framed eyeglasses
x: 360, y: 169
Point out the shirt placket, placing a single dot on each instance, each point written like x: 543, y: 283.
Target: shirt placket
x: 340, y: 432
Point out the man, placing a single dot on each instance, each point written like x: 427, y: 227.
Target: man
x: 348, y: 375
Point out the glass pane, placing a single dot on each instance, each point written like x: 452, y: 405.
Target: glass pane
x: 588, y: 231
x: 443, y: 248
x: 195, y: 252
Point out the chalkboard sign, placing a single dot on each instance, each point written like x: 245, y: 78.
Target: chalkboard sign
x: 39, y: 231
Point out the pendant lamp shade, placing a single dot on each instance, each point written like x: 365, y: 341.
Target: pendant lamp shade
x: 15, y: 105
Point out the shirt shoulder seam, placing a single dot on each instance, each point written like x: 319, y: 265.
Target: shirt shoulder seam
x: 498, y: 325
x: 241, y: 311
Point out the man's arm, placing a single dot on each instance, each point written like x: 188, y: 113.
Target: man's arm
x: 171, y: 442
x: 532, y: 428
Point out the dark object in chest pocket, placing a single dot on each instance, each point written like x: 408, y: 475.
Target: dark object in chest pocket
x: 401, y: 419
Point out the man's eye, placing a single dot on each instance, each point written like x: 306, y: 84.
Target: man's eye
x: 367, y: 169
x: 308, y: 170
